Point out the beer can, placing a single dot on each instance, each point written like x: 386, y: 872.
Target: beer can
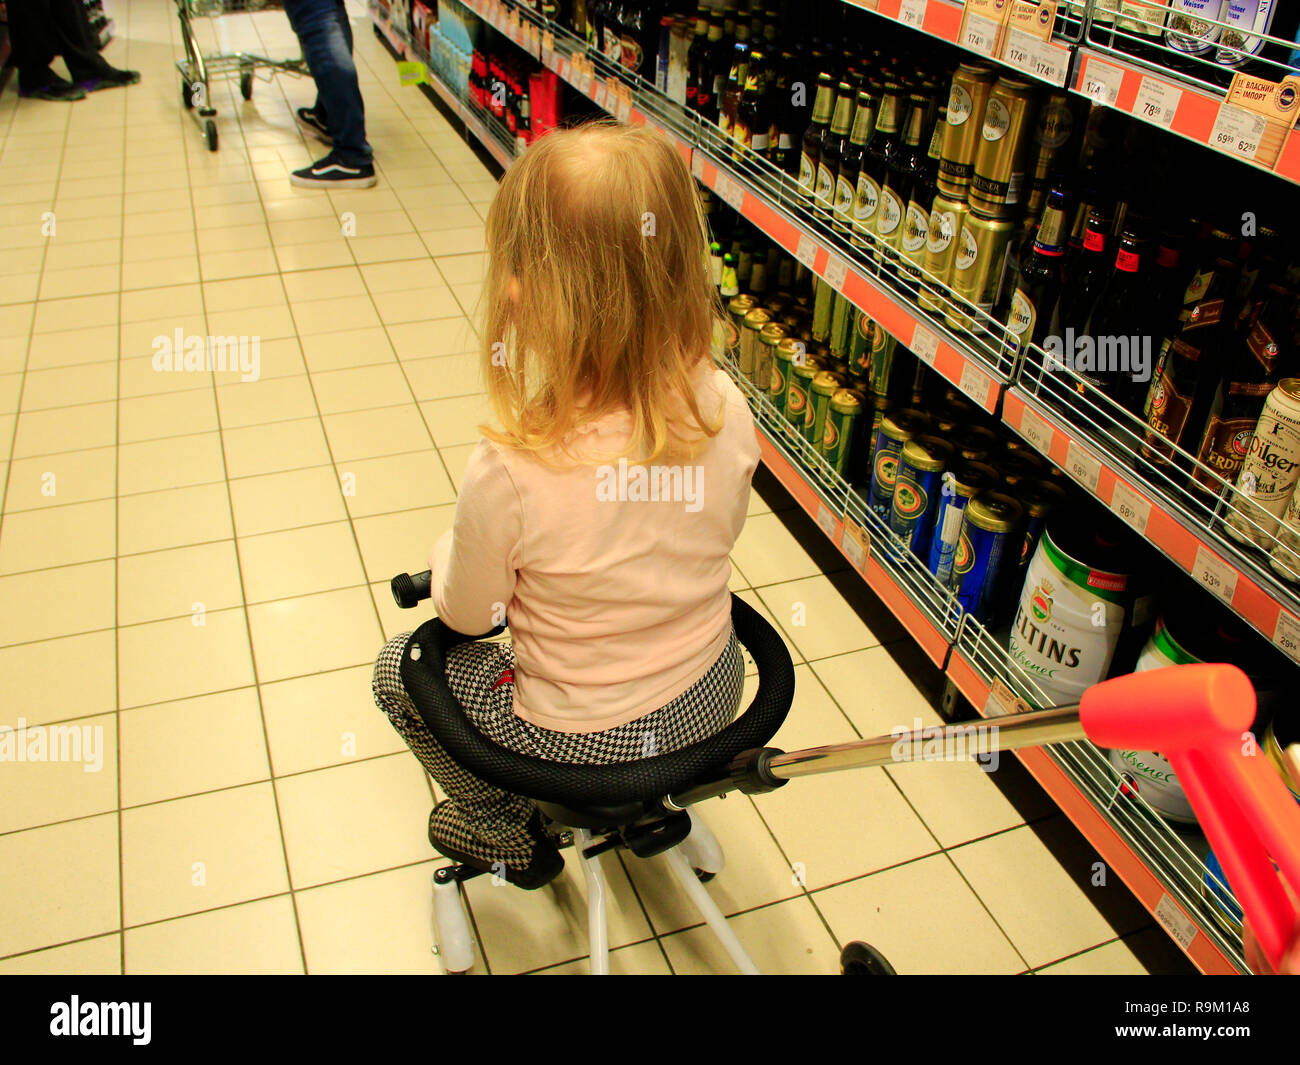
x: 824, y: 385
x: 896, y: 429
x: 822, y: 305
x: 782, y: 358
x: 1285, y: 556
x: 841, y: 433
x: 1272, y: 465
x: 861, y: 472
x: 942, y: 241
x: 737, y: 308
x: 750, y: 328
x: 883, y: 346
x: 842, y: 313
x: 987, y: 541
x: 997, y: 186
x: 977, y: 269
x: 917, y: 491
x: 974, y: 443
x: 968, y: 96
x: 798, y: 392
x: 1017, y: 467
x: 960, y: 486
x: 861, y: 335
x: 765, y: 354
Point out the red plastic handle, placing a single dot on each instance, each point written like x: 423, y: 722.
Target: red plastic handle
x: 1198, y: 717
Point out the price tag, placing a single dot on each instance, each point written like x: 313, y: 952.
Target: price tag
x: 1038, y: 58
x: 836, y: 271
x: 1287, y: 634
x: 976, y: 384
x: 1179, y: 926
x: 729, y: 192
x: 548, y: 41
x: 1036, y: 431
x: 1130, y: 506
x: 925, y: 344
x: 1237, y: 131
x: 856, y: 545
x: 826, y: 519
x: 1003, y: 701
x: 1101, y: 82
x: 565, y: 69
x: 912, y: 13
x: 697, y: 166
x: 979, y: 34
x: 1083, y: 467
x: 622, y: 107
x: 1157, y: 101
x: 806, y: 252
x: 599, y: 95
x: 1215, y: 574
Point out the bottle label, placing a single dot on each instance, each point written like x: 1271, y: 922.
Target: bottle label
x: 825, y: 183
x: 997, y: 120
x: 967, y: 249
x: 807, y: 172
x: 890, y: 213
x: 1055, y: 124
x: 1262, y: 345
x: 1225, y: 447
x: 959, y: 106
x: 843, y: 195
x: 758, y: 141
x: 785, y: 142
x: 1203, y: 315
x: 915, y: 228
x: 1167, y: 258
x: 866, y: 200
x: 1094, y: 241
x: 1196, y: 288
x: 943, y: 227
x: 1169, y: 409
x: 1127, y: 261
x: 1022, y: 317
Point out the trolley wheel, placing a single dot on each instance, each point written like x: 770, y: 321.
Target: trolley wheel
x: 246, y: 84
x: 862, y: 959
x: 187, y: 96
x: 210, y: 131
x: 704, y: 875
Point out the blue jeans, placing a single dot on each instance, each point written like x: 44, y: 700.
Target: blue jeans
x: 326, y: 36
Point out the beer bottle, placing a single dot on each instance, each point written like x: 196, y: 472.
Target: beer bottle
x: 1086, y: 278
x: 729, y: 105
x: 1142, y: 25
x: 875, y: 164
x: 730, y: 283
x: 715, y: 263
x: 783, y: 140
x: 1180, y: 396
x: 812, y: 138
x: 1039, y: 284
x: 698, y: 74
x: 753, y: 124
x: 846, y: 180
x: 1121, y: 343
x: 833, y: 138
x: 721, y: 50
x: 916, y: 222
x: 900, y: 171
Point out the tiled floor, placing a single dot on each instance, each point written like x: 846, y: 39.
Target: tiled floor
x: 195, y: 568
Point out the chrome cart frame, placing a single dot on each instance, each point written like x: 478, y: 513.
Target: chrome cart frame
x: 197, y: 70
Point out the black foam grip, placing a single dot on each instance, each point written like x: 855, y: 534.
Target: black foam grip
x: 409, y: 590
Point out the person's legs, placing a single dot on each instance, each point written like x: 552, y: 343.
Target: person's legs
x: 33, y: 44
x: 76, y: 41
x: 326, y: 38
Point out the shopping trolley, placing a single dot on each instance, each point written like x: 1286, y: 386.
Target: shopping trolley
x: 1195, y: 715
x: 196, y: 69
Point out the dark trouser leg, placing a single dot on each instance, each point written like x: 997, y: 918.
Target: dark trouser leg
x: 76, y: 40
x: 32, y: 39
x: 326, y: 39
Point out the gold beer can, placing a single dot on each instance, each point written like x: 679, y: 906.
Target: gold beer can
x: 765, y: 354
x: 753, y: 325
x: 861, y: 338
x: 737, y: 308
x: 1271, y: 469
x: 798, y: 392
x: 971, y: 85
x: 941, y: 243
x: 977, y: 269
x: 997, y: 186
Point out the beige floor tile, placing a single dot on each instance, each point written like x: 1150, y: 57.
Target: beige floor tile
x: 43, y: 604
x: 199, y: 853
x: 398, y: 482
x: 786, y: 939
x: 223, y: 215
x: 387, y: 248
x: 458, y: 241
x: 154, y: 223
x: 241, y: 293
x: 751, y: 597
x: 245, y: 237
x: 416, y: 305
x: 275, y: 399
x: 370, y: 433
x: 875, y: 708
x: 218, y: 266
x: 311, y: 285
x: 769, y: 553
x: 330, y: 630
x: 325, y: 719
x: 79, y: 281
x: 177, y: 462
x: 347, y: 350
x: 1149, y: 951
x: 144, y: 338
x: 155, y: 272
x: 16, y: 320
x: 403, y: 276
x: 267, y: 323
x: 334, y: 315
x: 817, y: 618
x: 457, y: 458
x: 69, y: 886
x: 101, y: 956
x: 525, y: 930
x: 377, y: 924
x: 69, y: 386
x: 166, y: 415
x: 429, y: 220
x: 167, y: 660
x: 640, y: 959
x: 66, y: 771
x: 316, y: 256
x: 178, y: 582
x: 355, y: 819
x: 423, y: 340
x: 157, y: 520
x: 151, y: 247
x: 57, y: 536
x: 290, y: 500
x: 70, y: 255
x: 194, y: 745
x: 295, y: 562
x: 362, y: 389
x: 304, y: 230
x: 923, y: 917
x: 252, y: 938
x: 456, y: 421
x: 274, y: 448
x: 42, y: 688
x: 401, y: 542
x: 153, y: 303
x: 1049, y: 909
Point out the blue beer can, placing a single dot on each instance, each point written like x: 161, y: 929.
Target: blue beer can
x: 960, y: 486
x: 918, y: 490
x: 988, y: 542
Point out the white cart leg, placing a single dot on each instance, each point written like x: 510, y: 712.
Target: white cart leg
x: 685, y: 874
x: 597, y: 930
x: 701, y: 847
x: 453, y: 940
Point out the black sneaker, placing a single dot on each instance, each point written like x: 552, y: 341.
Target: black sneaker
x: 111, y: 78
x: 329, y: 173
x: 310, y: 121
x: 57, y: 89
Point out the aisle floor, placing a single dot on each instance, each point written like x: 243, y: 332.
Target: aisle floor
x: 193, y: 575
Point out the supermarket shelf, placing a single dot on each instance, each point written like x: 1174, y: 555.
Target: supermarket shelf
x: 1163, y: 99
x: 1155, y: 863
x: 388, y: 31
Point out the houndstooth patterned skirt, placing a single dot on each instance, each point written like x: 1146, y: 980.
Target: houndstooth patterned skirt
x: 491, y: 822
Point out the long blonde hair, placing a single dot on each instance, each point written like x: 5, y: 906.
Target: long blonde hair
x: 598, y: 296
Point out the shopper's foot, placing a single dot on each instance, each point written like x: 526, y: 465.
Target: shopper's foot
x: 54, y: 89
x: 110, y: 78
x: 331, y: 173
x: 309, y: 120
x: 529, y: 859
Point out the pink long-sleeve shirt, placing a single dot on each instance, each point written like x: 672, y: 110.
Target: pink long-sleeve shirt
x: 613, y: 576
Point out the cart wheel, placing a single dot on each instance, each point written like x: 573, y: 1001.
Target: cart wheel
x: 704, y: 876
x: 210, y: 129
x: 246, y: 85
x: 862, y: 959
x: 187, y: 97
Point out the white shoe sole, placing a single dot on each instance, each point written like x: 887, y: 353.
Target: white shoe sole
x: 334, y: 183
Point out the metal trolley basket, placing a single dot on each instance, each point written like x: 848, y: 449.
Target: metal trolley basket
x: 197, y: 70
